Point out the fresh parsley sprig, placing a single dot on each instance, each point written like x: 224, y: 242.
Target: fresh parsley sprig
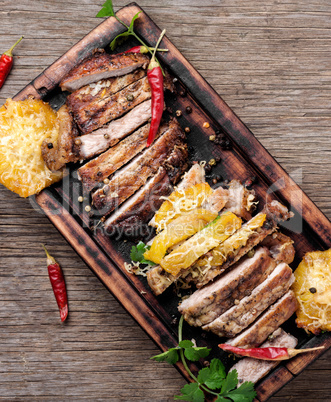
x: 108, y: 11
x: 137, y: 253
x: 212, y: 379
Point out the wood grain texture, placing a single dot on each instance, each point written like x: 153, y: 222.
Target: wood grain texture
x: 270, y: 64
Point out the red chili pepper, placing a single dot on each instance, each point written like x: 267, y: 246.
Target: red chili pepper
x: 271, y: 353
x: 142, y: 49
x: 6, y: 62
x: 155, y: 79
x: 58, y: 284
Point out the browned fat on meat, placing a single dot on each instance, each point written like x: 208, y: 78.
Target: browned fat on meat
x: 253, y: 370
x: 101, y: 90
x: 273, y: 318
x: 99, y: 112
x: 98, y: 141
x: 240, y: 200
x: 106, y: 164
x: 56, y: 155
x: 238, y: 317
x: 206, y: 304
x: 129, y: 179
x: 100, y: 66
x: 280, y: 246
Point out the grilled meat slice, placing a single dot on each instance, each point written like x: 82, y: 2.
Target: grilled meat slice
x: 78, y: 100
x: 275, y: 213
x: 98, y: 141
x: 253, y: 370
x: 99, y: 112
x: 100, y: 66
x: 65, y: 150
x: 238, y: 317
x: 240, y: 200
x: 134, y: 213
x: 106, y: 164
x: 273, y: 318
x: 138, y: 209
x: 129, y: 179
x: 206, y: 304
x: 280, y: 246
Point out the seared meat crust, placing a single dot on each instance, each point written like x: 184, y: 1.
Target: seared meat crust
x: 99, y: 112
x: 206, y: 304
x: 100, y: 66
x: 273, y: 318
x: 130, y: 178
x: 238, y: 317
x: 96, y: 170
x: 108, y: 136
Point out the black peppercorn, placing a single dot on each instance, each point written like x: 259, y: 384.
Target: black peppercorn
x: 312, y: 290
x: 207, y: 168
x: 50, y: 145
x: 188, y: 109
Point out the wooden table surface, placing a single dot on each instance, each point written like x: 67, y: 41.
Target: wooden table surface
x: 270, y: 61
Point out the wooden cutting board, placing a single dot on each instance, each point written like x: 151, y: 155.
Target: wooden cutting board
x: 106, y: 256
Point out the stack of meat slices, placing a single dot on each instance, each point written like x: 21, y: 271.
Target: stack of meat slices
x: 244, y: 282
x: 106, y: 117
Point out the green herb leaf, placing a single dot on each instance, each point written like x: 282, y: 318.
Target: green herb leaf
x: 185, y: 344
x: 196, y: 353
x: 216, y: 374
x: 107, y: 10
x: 230, y: 382
x: 133, y: 20
x: 119, y: 39
x: 191, y: 392
x: 137, y: 253
x: 244, y: 393
x: 170, y: 356
x: 221, y: 399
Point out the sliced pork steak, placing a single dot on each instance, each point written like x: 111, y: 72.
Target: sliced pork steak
x: 253, y: 370
x: 100, y: 66
x: 206, y: 304
x: 269, y: 321
x: 238, y: 317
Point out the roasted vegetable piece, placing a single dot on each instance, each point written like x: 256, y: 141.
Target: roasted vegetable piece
x: 312, y: 288
x: 209, y: 237
x: 23, y: 127
x: 178, y: 230
x: 180, y: 202
x: 238, y: 239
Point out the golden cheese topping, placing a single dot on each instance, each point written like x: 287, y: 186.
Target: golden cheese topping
x: 312, y: 288
x: 178, y: 230
x: 233, y: 243
x: 180, y: 202
x: 23, y: 127
x: 209, y: 237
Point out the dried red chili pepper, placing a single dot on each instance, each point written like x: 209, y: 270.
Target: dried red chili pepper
x: 58, y: 284
x: 155, y: 79
x: 6, y: 62
x: 271, y: 353
x: 143, y: 49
